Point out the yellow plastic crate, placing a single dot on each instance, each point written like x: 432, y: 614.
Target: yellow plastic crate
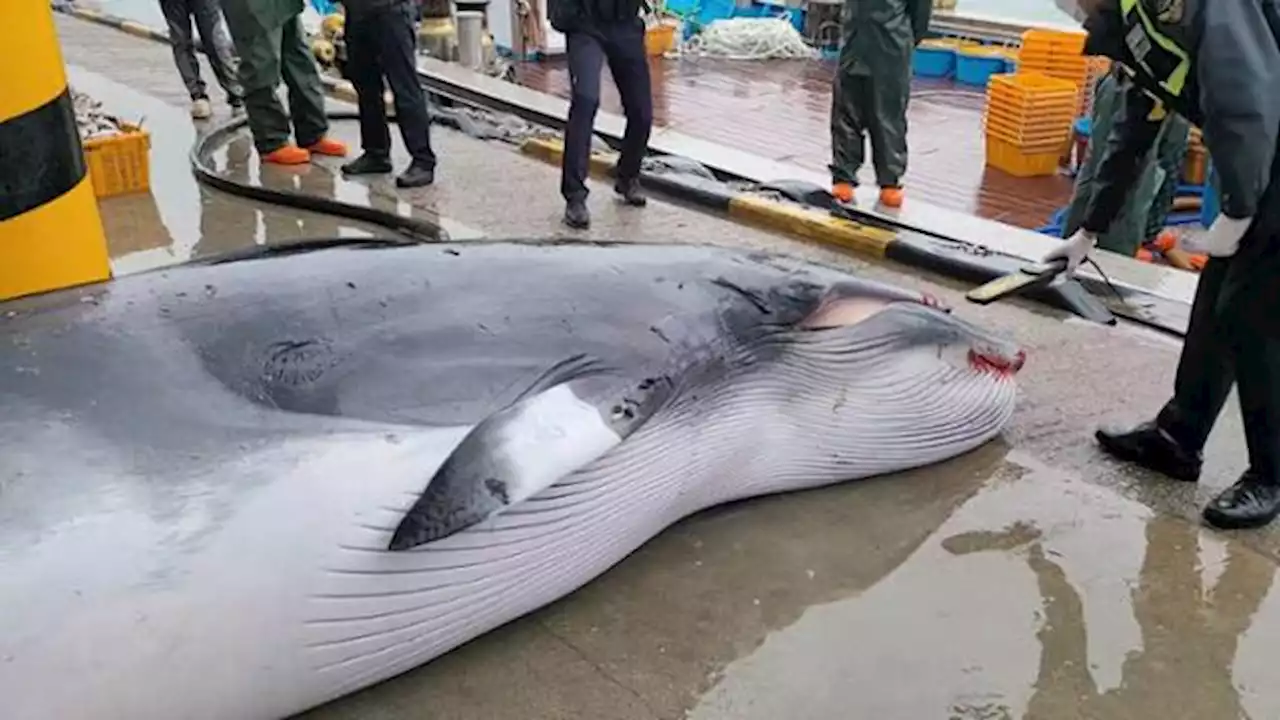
x: 120, y: 164
x: 1031, y: 84
x: 659, y: 39
x: 1010, y: 158
x: 1070, y: 41
x: 1055, y: 133
x: 1027, y: 144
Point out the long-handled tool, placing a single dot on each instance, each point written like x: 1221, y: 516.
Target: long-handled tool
x: 1039, y: 276
x: 1029, y: 278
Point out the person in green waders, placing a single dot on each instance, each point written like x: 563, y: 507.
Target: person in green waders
x: 1217, y: 64
x: 1149, y: 202
x: 871, y: 89
x: 272, y: 45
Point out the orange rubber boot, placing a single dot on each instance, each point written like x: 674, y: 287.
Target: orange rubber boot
x: 891, y: 197
x: 843, y: 192
x: 1165, y: 241
x: 329, y: 146
x: 287, y: 155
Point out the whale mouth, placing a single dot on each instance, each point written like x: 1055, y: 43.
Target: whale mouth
x: 991, y: 360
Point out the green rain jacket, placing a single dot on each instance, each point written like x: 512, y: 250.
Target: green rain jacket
x: 249, y: 20
x: 883, y: 33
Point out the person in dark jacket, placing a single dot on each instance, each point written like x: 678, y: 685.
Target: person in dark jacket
x: 1216, y: 63
x: 381, y: 43
x: 596, y: 31
x: 872, y: 88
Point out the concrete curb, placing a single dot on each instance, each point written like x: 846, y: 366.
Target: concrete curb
x: 747, y: 209
x: 954, y: 259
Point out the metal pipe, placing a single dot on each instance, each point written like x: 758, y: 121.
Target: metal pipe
x: 470, y: 30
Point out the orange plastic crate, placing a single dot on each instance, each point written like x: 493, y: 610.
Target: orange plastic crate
x: 1058, y: 40
x: 1010, y: 158
x: 1030, y: 84
x: 1027, y: 142
x: 1055, y: 134
x: 120, y: 164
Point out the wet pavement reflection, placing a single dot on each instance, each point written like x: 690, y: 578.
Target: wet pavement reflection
x: 781, y: 110
x: 179, y: 219
x: 1043, y: 597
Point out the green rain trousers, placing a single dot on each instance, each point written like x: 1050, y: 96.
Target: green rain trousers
x: 872, y: 86
x: 1147, y: 207
x: 272, y: 45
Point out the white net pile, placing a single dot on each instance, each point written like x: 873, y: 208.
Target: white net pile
x: 750, y: 39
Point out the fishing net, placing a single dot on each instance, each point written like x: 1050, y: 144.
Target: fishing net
x: 750, y: 39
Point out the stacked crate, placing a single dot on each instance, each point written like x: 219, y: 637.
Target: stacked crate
x: 1056, y: 53
x: 1028, y: 120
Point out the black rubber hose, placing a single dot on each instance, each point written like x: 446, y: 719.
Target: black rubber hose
x: 414, y: 230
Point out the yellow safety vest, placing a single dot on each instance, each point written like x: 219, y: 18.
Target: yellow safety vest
x: 1155, y: 53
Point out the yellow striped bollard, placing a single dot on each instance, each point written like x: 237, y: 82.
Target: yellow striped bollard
x: 51, y: 236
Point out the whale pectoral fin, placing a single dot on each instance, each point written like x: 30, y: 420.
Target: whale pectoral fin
x: 524, y: 449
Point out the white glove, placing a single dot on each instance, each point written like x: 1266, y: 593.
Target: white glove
x: 1074, y: 250
x: 1223, y: 237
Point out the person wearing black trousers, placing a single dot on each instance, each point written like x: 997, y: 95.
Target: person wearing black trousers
x: 380, y: 43
x: 597, y: 31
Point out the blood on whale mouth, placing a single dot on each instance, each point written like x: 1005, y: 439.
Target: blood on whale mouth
x: 993, y: 361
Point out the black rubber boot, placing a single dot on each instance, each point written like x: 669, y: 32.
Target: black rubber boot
x: 1152, y: 448
x: 367, y: 165
x: 416, y: 176
x: 576, y: 215
x: 1252, y: 502
x: 630, y: 192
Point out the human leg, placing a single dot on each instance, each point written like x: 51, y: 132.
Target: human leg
x: 177, y: 16
x: 586, y: 58
x: 217, y: 47
x: 306, y: 94
x: 629, y: 65
x: 366, y: 77
x: 1172, y: 443
x: 398, y: 63
x: 890, y: 90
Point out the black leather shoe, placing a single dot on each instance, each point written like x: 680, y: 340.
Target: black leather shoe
x: 1252, y: 502
x: 630, y: 192
x: 367, y: 165
x: 416, y: 176
x: 577, y: 216
x: 1152, y: 448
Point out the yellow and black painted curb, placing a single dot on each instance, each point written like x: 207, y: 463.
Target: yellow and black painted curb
x: 949, y: 258
x: 749, y: 209
x: 51, y: 235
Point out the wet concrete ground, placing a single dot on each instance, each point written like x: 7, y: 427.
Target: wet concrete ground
x: 1031, y: 579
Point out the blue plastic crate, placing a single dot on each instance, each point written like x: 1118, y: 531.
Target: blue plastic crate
x: 699, y: 13
x: 934, y: 62
x: 977, y: 69
x: 1209, y: 202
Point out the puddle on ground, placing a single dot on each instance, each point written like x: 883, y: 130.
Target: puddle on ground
x: 181, y: 220
x: 1046, y: 597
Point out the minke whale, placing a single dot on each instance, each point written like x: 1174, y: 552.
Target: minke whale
x: 239, y: 489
